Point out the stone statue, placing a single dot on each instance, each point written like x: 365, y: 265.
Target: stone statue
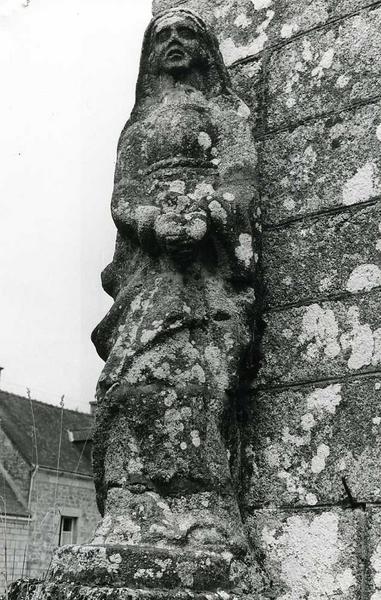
x: 176, y: 341
x: 177, y: 338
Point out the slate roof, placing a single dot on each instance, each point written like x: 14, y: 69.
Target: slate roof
x: 9, y: 504
x: 16, y: 420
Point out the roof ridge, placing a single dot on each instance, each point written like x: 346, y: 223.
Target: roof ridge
x: 72, y: 410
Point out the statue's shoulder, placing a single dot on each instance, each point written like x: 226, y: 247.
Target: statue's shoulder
x: 229, y: 110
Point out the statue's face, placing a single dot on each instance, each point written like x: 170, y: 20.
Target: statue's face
x: 177, y: 45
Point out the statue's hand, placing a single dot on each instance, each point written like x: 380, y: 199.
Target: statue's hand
x: 221, y: 209
x: 178, y: 234
x: 145, y: 218
x: 196, y: 225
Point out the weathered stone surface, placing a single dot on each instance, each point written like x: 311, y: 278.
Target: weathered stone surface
x: 166, y: 446
x: 293, y: 16
x: 322, y: 340
x: 141, y: 566
x: 182, y: 279
x: 22, y: 589
x: 135, y: 571
x: 54, y: 591
x: 310, y: 554
x: 305, y: 440
x: 322, y: 72
x: 331, y: 254
x: 330, y: 163
x: 374, y: 553
x: 246, y: 27
x: 247, y: 78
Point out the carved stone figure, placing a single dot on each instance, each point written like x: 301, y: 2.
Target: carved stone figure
x: 177, y: 338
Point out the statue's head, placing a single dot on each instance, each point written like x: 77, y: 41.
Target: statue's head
x: 178, y: 43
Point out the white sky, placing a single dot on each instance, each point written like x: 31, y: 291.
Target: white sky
x: 68, y: 72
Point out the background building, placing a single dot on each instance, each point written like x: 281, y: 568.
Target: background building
x: 47, y: 495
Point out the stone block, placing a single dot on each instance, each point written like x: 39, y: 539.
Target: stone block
x: 248, y: 84
x: 330, y: 163
x: 304, y: 441
x: 246, y: 27
x: 319, y: 341
x: 295, y: 16
x: 36, y: 590
x: 325, y: 70
x: 374, y: 553
x: 310, y: 554
x: 140, y: 566
x: 132, y: 572
x: 331, y: 254
x: 53, y: 591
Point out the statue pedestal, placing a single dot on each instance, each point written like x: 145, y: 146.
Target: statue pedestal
x: 134, y: 572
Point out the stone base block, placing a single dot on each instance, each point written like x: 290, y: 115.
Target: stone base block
x: 54, y: 591
x: 127, y: 572
x: 142, y: 567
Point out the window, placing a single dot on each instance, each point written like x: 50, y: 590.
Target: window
x: 68, y: 531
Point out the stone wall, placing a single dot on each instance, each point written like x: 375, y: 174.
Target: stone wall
x: 30, y: 543
x: 73, y: 496
x: 310, y: 72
